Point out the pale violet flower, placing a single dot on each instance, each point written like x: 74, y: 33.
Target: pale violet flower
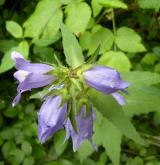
x: 30, y: 75
x: 106, y: 80
x: 84, y: 126
x: 51, y: 117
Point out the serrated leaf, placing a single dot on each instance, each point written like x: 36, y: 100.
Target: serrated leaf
x: 113, y: 4
x: 14, y: 29
x: 142, y: 101
x: 110, y: 109
x: 50, y: 33
x: 99, y: 36
x: 78, y: 16
x: 72, y: 49
x: 93, y: 58
x: 44, y: 22
x: 102, y: 37
x: 117, y: 60
x: 145, y: 4
x: 141, y: 79
x: 128, y: 40
x: 111, y: 140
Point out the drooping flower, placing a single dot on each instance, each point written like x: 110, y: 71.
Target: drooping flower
x: 84, y: 126
x: 51, y: 117
x: 30, y: 75
x: 106, y: 80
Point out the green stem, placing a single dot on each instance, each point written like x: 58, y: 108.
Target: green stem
x: 114, y: 28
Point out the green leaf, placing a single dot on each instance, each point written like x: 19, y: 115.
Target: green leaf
x: 102, y: 37
x: 78, y: 16
x: 59, y: 162
x: 72, y: 50
x: 17, y: 156
x: 65, y: 162
x: 142, y: 101
x: 44, y: 22
x: 99, y: 36
x: 6, y: 134
x: 65, y: 2
x: 145, y: 4
x: 7, y: 63
x: 157, y: 67
x: 149, y: 58
x: 96, y: 7
x: 93, y: 58
x: 28, y: 161
x: 51, y: 32
x: 110, y: 109
x: 7, y: 148
x: 12, y: 153
x: 85, y: 40
x: 45, y: 54
x: 5, y: 45
x: 26, y: 147
x: 111, y: 140
x: 113, y: 4
x: 117, y: 60
x: 38, y: 151
x: 89, y: 161
x: 141, y: 79
x: 128, y: 40
x: 85, y: 150
x: 14, y: 29
x: 58, y: 141
x: 10, y: 112
x: 39, y: 95
x: 23, y: 48
x: 137, y: 160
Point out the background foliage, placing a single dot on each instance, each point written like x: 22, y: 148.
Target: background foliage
x: 129, y: 34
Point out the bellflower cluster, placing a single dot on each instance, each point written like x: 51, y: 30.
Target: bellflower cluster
x: 55, y: 112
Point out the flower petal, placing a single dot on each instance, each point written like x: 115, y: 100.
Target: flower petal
x: 51, y: 117
x: 21, y: 75
x: 84, y: 129
x: 16, y: 99
x: 22, y: 64
x: 104, y: 79
x: 35, y: 81
x: 120, y: 99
